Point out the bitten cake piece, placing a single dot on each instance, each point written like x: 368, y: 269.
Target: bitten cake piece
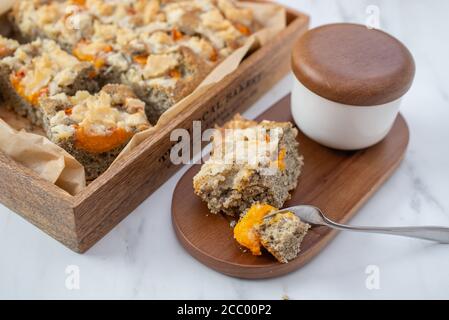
x: 41, y: 69
x: 250, y: 163
x: 94, y: 128
x: 282, y: 235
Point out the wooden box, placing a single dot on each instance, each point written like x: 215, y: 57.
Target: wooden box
x: 82, y: 220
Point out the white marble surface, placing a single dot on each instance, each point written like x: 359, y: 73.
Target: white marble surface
x: 141, y: 258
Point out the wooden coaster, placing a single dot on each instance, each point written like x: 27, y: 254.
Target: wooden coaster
x: 338, y: 182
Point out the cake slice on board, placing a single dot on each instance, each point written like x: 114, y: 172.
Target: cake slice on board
x: 251, y: 171
x: 252, y: 163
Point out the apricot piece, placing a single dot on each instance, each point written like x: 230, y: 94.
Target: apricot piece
x: 100, y: 143
x: 245, y: 232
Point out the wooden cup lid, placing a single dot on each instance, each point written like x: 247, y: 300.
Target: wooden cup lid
x: 354, y: 65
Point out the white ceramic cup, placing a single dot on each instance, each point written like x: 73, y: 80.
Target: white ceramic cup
x: 341, y: 126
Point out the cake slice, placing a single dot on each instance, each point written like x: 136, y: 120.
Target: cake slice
x: 94, y: 129
x: 66, y: 22
x: 77, y: 30
x: 282, y: 235
x: 222, y: 22
x: 161, y: 80
x: 251, y: 163
x: 41, y: 69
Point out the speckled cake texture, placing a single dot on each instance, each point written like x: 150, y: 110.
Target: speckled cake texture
x: 41, y: 69
x: 94, y: 128
x: 252, y: 163
x: 282, y: 235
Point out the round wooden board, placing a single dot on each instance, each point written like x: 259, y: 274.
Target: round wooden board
x: 338, y: 182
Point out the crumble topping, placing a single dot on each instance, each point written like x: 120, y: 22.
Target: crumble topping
x: 233, y: 13
x: 41, y: 67
x: 98, y: 115
x: 253, y: 148
x: 7, y: 46
x: 140, y: 34
x: 158, y: 65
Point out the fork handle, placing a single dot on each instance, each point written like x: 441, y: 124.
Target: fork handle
x: 438, y: 234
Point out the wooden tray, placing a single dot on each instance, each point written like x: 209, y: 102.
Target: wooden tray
x: 79, y: 222
x: 337, y: 182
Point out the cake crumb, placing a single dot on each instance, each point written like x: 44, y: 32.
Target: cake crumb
x: 285, y: 297
x: 233, y: 223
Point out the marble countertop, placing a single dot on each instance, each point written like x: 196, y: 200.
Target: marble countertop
x: 141, y: 257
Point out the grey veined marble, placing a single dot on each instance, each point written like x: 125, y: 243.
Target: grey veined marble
x: 141, y: 258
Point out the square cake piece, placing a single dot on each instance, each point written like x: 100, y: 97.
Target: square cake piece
x: 282, y: 235
x: 163, y: 79
x: 94, y: 129
x: 42, y: 69
x: 250, y: 163
x: 66, y: 22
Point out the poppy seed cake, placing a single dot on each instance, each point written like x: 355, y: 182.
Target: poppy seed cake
x: 94, y: 129
x: 162, y: 49
x: 282, y: 235
x: 263, y: 169
x: 41, y: 69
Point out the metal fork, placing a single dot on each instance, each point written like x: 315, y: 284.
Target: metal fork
x: 315, y: 216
